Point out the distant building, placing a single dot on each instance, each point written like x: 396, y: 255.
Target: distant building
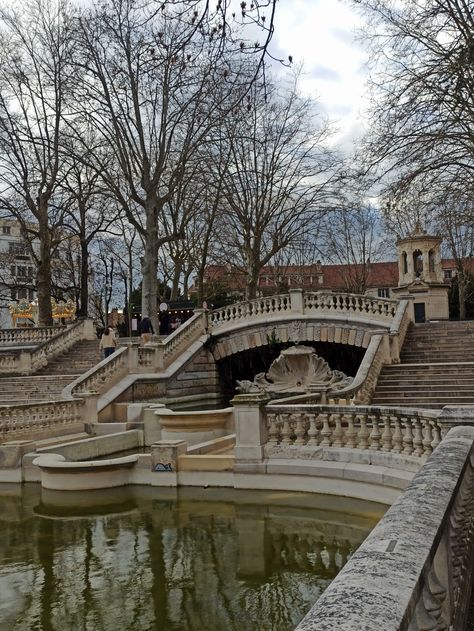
x: 420, y: 275
x: 17, y: 269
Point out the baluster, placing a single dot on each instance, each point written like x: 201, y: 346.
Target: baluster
x: 417, y: 438
x: 300, y: 430
x: 326, y: 431
x: 407, y: 436
x: 363, y: 434
x: 427, y: 437
x: 397, y: 437
x: 273, y: 428
x: 351, y: 433
x: 387, y: 433
x: 286, y: 430
x: 374, y: 437
x: 313, y: 430
x: 337, y: 433
x: 436, y: 435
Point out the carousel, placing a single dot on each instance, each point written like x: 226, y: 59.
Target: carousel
x: 24, y: 314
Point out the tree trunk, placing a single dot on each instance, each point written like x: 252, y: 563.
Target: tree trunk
x: 84, y: 291
x: 43, y: 273
x: 175, y: 285
x: 252, y: 282
x: 462, y: 295
x: 150, y: 265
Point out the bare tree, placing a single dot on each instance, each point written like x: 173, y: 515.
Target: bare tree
x: 423, y: 89
x: 35, y: 77
x: 353, y: 238
x: 155, y: 80
x: 279, y: 179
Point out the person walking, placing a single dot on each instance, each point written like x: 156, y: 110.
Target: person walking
x: 145, y: 329
x: 108, y: 342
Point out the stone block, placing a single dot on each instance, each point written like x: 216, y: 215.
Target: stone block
x: 12, y: 452
x: 165, y: 455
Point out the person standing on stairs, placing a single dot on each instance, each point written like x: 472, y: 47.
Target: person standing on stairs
x: 108, y: 342
x: 145, y: 329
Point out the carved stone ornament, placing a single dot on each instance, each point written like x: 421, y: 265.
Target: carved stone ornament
x: 297, y: 369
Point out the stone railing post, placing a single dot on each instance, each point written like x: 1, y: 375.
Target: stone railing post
x: 250, y: 427
x: 205, y: 318
x: 89, y: 329
x: 297, y: 300
x: 89, y: 409
x: 159, y: 362
x: 132, y: 352
x: 24, y: 363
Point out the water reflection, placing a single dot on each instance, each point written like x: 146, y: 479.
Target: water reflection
x: 146, y: 558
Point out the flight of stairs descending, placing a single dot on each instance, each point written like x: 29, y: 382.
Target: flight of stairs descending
x: 436, y: 368
x: 48, y: 383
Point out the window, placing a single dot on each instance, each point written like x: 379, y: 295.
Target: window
x: 6, y: 230
x: 18, y: 248
x: 431, y: 261
x: 418, y: 263
x: 448, y: 274
x: 384, y: 292
x: 404, y: 262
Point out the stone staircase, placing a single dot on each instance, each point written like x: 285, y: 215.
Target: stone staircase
x: 49, y: 382
x: 436, y: 369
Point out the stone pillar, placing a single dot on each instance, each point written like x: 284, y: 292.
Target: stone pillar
x: 12, y: 452
x: 151, y: 424
x: 165, y: 460
x: 89, y: 329
x: 250, y: 426
x: 160, y: 357
x: 297, y: 300
x: 89, y: 410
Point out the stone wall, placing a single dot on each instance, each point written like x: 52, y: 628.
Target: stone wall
x: 197, y: 378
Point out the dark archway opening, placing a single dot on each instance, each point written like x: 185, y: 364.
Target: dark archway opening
x: 247, y: 364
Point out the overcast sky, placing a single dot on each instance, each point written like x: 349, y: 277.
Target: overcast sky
x: 322, y: 35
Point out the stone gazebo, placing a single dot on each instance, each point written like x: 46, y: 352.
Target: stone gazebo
x: 420, y: 276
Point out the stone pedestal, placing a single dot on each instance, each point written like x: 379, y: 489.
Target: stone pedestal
x: 250, y: 427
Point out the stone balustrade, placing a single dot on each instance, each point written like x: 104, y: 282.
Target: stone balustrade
x: 48, y: 418
x: 103, y: 376
x: 33, y: 335
x: 397, y: 431
x: 52, y: 341
x: 297, y: 301
x: 414, y: 570
x: 151, y: 358
x: 363, y: 386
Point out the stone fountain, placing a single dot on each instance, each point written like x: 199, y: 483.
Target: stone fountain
x: 297, y: 370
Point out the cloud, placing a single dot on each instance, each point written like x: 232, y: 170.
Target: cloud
x: 325, y: 73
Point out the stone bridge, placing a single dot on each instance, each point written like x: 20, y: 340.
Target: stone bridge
x: 301, y: 316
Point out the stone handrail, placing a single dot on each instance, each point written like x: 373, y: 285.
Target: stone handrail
x: 20, y: 420
x: 33, y: 335
x: 27, y: 361
x: 184, y: 336
x: 129, y: 359
x: 61, y: 342
x: 414, y: 569
x: 362, y: 388
x: 395, y: 430
x: 104, y: 375
x: 381, y: 311
x: 399, y: 328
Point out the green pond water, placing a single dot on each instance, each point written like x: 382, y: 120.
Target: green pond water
x: 164, y: 559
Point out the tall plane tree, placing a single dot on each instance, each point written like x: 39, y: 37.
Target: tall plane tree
x: 155, y: 80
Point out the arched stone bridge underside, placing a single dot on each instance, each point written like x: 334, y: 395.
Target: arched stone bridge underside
x: 264, y: 334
